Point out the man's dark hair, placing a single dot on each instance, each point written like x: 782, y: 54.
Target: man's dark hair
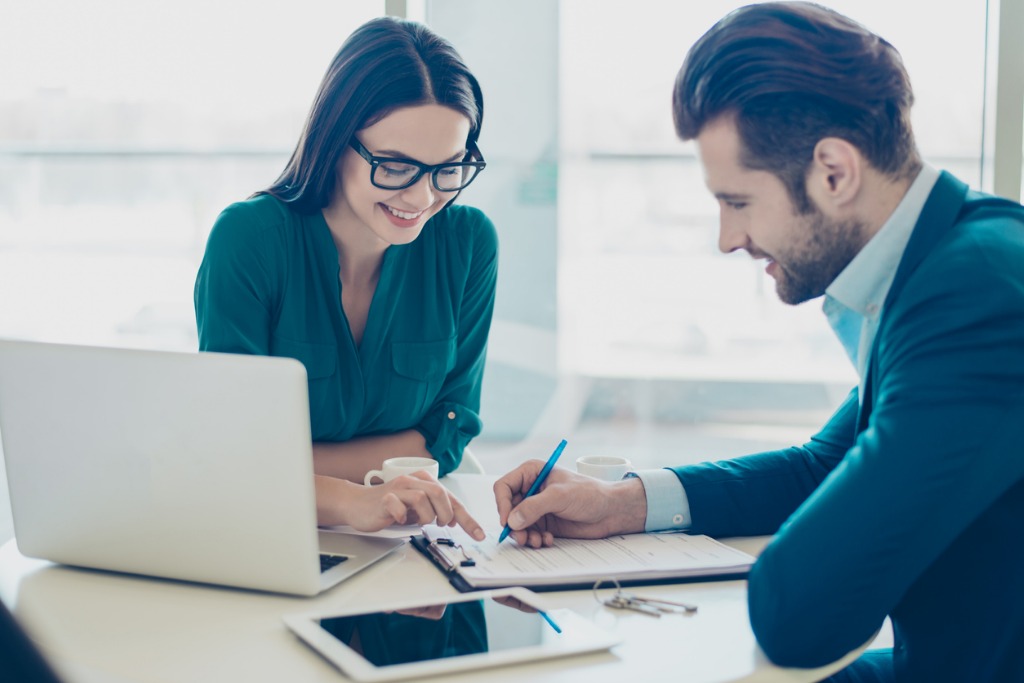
x: 793, y: 73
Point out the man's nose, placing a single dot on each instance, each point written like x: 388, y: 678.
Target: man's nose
x: 730, y: 236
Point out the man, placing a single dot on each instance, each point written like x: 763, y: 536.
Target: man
x: 909, y: 502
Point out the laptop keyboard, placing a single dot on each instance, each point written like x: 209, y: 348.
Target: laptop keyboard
x: 329, y: 561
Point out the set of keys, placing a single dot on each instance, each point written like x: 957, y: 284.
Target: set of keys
x: 654, y: 607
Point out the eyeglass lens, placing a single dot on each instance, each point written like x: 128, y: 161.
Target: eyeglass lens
x: 397, y: 175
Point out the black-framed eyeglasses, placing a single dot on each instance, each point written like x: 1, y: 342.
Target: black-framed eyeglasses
x: 392, y: 173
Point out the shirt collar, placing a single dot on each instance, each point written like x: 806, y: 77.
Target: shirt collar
x: 863, y: 285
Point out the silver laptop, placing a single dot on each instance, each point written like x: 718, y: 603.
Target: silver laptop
x: 191, y: 466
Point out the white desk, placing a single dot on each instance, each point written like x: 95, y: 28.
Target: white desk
x: 110, y: 628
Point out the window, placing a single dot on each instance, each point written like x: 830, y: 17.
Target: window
x: 644, y: 290
x: 124, y: 130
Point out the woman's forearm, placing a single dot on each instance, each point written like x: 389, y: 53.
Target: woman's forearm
x: 352, y: 459
x: 333, y: 500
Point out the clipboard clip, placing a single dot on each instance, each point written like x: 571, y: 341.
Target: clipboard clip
x: 443, y: 559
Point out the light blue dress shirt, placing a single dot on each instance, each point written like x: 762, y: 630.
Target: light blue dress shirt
x: 852, y: 306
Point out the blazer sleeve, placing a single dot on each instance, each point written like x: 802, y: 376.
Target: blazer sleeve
x: 753, y: 495
x: 941, y: 446
x: 454, y: 417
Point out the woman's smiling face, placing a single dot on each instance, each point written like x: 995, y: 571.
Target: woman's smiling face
x: 430, y: 134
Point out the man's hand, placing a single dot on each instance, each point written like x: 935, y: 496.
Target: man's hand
x: 569, y: 505
x: 415, y: 498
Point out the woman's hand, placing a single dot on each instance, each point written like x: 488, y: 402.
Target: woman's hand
x: 415, y: 498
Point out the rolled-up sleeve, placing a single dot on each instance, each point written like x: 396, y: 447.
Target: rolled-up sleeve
x: 453, y: 419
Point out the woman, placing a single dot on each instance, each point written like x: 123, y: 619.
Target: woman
x: 357, y: 263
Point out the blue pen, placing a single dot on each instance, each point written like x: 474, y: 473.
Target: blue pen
x: 551, y: 621
x: 537, y: 483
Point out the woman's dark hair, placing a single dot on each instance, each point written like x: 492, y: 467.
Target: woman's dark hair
x: 793, y: 73
x: 386, y: 64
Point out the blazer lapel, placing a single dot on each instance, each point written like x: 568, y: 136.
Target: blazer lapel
x: 938, y: 216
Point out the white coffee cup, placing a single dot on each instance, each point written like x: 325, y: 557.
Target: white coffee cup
x: 603, y: 467
x: 396, y: 467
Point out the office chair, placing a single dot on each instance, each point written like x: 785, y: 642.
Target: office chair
x: 470, y: 463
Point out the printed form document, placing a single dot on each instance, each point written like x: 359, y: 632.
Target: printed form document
x: 630, y: 558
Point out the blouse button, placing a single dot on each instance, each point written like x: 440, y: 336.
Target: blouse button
x: 677, y: 519
x: 451, y: 415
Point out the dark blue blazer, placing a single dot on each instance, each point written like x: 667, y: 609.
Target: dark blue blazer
x: 911, y: 503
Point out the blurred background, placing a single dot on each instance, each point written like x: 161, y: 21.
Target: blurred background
x: 125, y: 128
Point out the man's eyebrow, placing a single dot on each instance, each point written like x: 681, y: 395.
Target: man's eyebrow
x: 401, y: 155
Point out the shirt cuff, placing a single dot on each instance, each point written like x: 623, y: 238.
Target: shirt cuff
x: 447, y: 428
x: 667, y: 506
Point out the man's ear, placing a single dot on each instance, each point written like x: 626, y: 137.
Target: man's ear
x: 836, y: 173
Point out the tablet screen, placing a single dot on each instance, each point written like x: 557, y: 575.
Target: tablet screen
x: 441, y: 630
x: 413, y: 639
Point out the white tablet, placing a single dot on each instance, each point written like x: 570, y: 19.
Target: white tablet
x: 465, y: 631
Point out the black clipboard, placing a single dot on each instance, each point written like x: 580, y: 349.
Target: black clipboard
x: 451, y: 568
x: 439, y: 560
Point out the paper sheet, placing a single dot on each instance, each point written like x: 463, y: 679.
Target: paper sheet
x: 636, y: 556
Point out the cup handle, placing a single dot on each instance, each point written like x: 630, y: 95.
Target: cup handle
x: 368, y: 479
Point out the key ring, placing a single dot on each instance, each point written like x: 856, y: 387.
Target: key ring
x: 618, y: 589
x: 623, y: 601
x: 654, y: 607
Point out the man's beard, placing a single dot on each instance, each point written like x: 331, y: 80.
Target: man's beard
x: 811, y: 267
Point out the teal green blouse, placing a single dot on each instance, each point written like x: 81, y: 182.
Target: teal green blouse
x: 269, y: 284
